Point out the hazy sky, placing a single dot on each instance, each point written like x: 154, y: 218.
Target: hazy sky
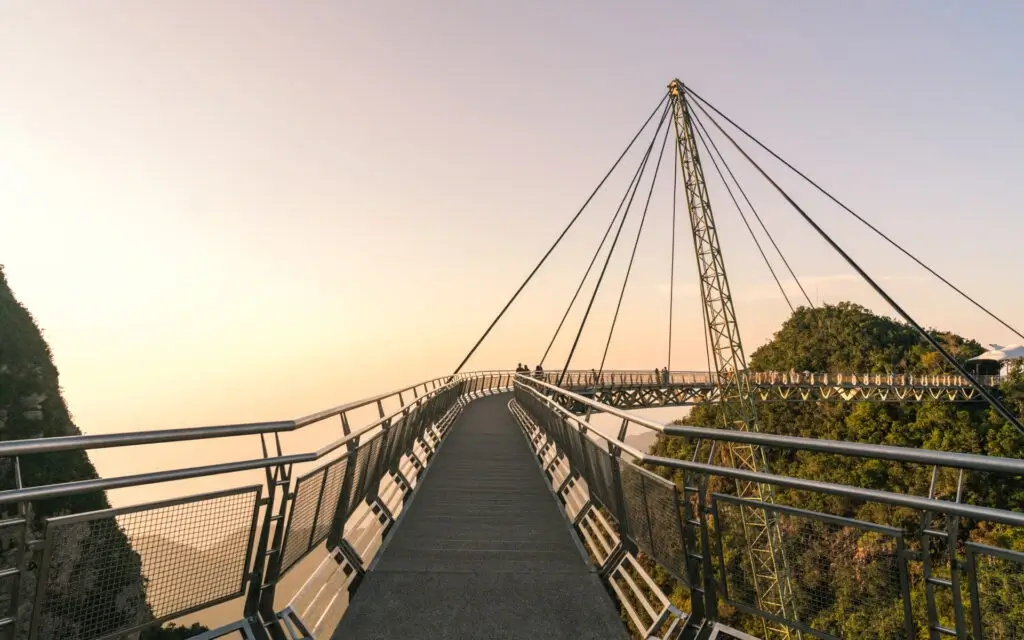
x: 228, y: 211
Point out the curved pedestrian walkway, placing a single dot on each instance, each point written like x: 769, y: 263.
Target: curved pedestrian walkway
x: 483, y: 550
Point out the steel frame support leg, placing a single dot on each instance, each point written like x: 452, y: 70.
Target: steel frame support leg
x: 379, y: 504
x: 354, y: 560
x: 295, y: 624
x: 666, y: 614
x: 551, y: 465
x: 416, y: 462
x: 406, y: 486
x: 569, y: 477
x: 612, y: 562
x: 582, y: 513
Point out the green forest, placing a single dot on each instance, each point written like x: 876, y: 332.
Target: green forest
x: 88, y: 599
x: 845, y: 580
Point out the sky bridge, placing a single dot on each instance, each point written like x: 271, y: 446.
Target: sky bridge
x: 487, y: 504
x: 484, y: 507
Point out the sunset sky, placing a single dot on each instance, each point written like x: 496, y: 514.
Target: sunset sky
x: 230, y: 211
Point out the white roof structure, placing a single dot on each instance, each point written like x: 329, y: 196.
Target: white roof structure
x: 1000, y: 354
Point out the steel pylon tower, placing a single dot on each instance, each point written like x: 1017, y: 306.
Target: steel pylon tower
x: 765, y: 553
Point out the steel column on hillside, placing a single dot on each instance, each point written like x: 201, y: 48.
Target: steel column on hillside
x: 736, y: 404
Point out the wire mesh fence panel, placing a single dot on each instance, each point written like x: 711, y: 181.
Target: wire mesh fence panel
x: 371, y: 477
x: 846, y: 575
x: 316, y: 498
x: 555, y: 429
x: 548, y: 425
x: 638, y: 522
x: 374, y: 461
x: 409, y: 430
x: 329, y: 499
x: 392, y: 437
x: 404, y: 432
x: 308, y: 493
x: 736, y: 573
x: 663, y: 509
x: 600, y: 478
x: 996, y: 578
x: 653, y: 517
x: 357, y: 462
x: 574, y: 442
x: 435, y: 410
x: 116, y: 570
x: 9, y: 586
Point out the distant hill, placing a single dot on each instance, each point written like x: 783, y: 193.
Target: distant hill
x: 642, y: 441
x: 218, y: 570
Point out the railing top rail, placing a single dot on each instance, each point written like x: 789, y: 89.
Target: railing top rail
x: 961, y: 509
x: 969, y: 461
x: 102, y: 441
x: 101, y: 484
x: 942, y: 379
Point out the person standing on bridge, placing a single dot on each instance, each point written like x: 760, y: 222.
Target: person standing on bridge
x: 539, y: 373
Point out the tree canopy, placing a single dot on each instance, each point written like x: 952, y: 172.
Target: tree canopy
x: 849, y: 338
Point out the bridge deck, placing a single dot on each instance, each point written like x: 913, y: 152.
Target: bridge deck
x: 483, y: 550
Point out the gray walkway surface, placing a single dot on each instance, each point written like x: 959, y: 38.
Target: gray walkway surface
x: 483, y: 550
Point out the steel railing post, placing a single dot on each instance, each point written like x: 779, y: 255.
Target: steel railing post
x: 337, y: 532
x: 273, y: 560
x: 254, y: 594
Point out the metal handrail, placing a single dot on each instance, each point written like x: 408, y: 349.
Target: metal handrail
x: 694, y: 551
x: 969, y: 461
x: 272, y: 510
x: 580, y: 376
x: 124, y: 439
x: 22, y: 447
x: 85, y: 442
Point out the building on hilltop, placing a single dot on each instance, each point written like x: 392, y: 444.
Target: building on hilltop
x: 999, y: 359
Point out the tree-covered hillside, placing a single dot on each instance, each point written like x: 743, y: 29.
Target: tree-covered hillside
x: 848, y: 338
x: 84, y: 598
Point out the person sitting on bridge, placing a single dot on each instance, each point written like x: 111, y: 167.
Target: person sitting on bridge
x: 520, y: 368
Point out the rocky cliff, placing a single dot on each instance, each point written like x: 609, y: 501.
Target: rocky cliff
x: 83, y: 596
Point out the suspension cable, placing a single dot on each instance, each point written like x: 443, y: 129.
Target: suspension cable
x: 559, y: 239
x: 992, y: 400
x: 672, y: 264
x: 707, y: 147
x: 611, y: 252
x: 632, y: 257
x: 593, y: 260
x: 855, y: 215
x: 743, y: 193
